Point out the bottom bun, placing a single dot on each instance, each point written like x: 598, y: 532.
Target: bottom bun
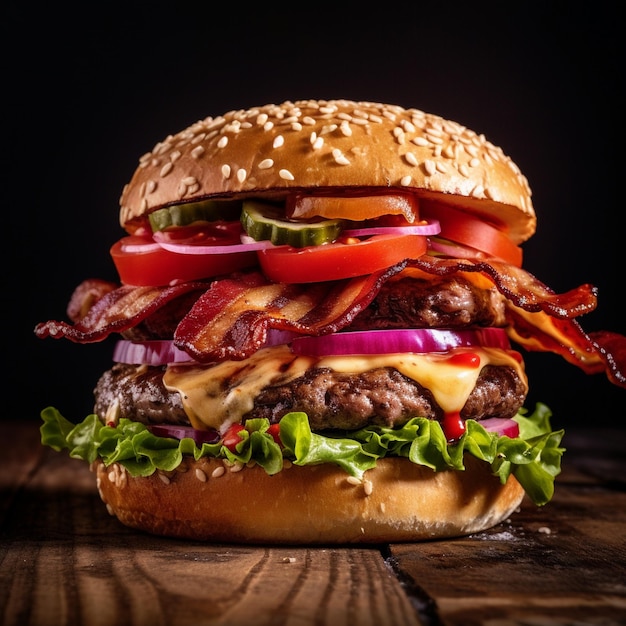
x: 317, y: 504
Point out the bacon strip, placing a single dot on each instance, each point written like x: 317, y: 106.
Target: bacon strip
x: 115, y: 312
x: 518, y: 286
x: 231, y: 319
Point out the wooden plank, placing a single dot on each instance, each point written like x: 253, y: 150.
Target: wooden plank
x: 64, y: 560
x: 564, y: 563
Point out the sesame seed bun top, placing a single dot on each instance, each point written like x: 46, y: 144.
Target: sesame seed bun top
x: 318, y: 144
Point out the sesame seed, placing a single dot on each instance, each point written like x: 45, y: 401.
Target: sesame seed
x: 223, y: 142
x: 318, y: 143
x: 265, y: 164
x: 164, y: 479
x: 189, y: 180
x: 433, y: 130
x: 200, y: 475
x: 405, y: 181
x: 449, y: 151
x: 286, y: 175
x: 241, y: 175
x: 166, y: 169
x: 411, y: 158
x: 474, y: 162
x: 478, y: 191
x: 279, y: 141
x: 420, y: 141
x: 353, y: 480
x: 368, y: 487
x: 151, y: 186
x: 345, y: 129
x: 218, y: 471
x: 328, y: 128
x: 197, y: 152
x: 226, y: 171
x: 434, y: 138
x: 237, y: 466
x: 464, y: 170
x: 339, y: 157
x: 268, y: 125
x: 430, y: 167
x: 261, y: 119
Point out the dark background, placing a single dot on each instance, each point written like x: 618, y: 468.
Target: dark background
x: 89, y: 90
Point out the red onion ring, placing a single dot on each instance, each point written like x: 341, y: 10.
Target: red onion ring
x: 398, y: 341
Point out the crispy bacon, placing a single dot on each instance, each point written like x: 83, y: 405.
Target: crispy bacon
x: 231, y: 319
x: 116, y: 311
x: 518, y: 286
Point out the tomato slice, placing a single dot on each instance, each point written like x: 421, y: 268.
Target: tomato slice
x: 142, y: 262
x: 472, y: 231
x: 334, y: 261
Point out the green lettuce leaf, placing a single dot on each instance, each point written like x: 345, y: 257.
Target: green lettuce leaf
x: 534, y: 458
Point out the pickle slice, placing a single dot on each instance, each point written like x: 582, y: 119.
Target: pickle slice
x: 187, y: 213
x: 266, y: 222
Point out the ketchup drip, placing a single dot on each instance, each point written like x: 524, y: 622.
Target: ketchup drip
x: 453, y: 424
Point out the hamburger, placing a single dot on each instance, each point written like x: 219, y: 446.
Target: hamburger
x: 320, y: 312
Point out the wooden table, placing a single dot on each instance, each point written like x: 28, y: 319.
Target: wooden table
x: 63, y: 560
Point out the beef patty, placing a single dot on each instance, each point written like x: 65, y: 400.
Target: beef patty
x: 381, y: 396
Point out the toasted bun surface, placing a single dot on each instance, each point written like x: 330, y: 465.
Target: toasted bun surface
x: 397, y: 501
x: 317, y: 145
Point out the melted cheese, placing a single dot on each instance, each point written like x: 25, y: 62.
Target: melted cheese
x: 221, y: 394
